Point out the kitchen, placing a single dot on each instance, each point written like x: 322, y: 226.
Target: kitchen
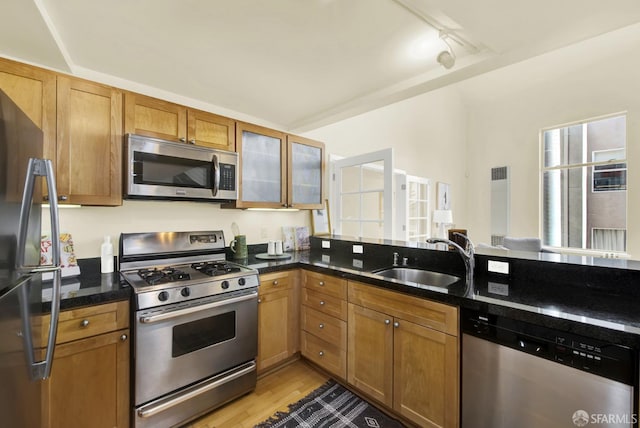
x: 472, y: 126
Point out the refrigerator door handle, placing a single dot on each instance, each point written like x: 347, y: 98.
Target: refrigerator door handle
x: 39, y: 168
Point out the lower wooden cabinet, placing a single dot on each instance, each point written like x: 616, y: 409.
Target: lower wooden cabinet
x: 402, y: 354
x: 89, y: 383
x: 323, y: 322
x: 278, y: 318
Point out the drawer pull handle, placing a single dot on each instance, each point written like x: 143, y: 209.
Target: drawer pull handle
x: 321, y: 325
x: 396, y: 324
x: 123, y: 337
x: 321, y: 283
x: 321, y: 302
x: 275, y: 282
x: 321, y: 353
x: 387, y: 322
x: 84, y: 323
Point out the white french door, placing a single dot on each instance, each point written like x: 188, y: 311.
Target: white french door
x: 362, y: 195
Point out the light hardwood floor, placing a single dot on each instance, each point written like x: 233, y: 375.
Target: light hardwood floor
x: 273, y: 393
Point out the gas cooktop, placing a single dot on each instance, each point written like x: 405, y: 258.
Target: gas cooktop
x: 172, y: 267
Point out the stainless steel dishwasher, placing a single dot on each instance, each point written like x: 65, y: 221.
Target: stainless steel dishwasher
x: 516, y: 374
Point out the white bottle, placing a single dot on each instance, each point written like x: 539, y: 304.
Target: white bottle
x: 106, y: 255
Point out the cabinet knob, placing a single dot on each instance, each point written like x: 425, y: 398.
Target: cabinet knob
x: 192, y: 141
x: 123, y: 337
x: 321, y: 302
x: 63, y: 198
x: 284, y: 205
x: 259, y: 300
x: 387, y: 322
x: 321, y: 325
x: 321, y: 283
x: 183, y: 139
x: 275, y: 282
x: 396, y: 324
x: 321, y: 353
x: 84, y: 323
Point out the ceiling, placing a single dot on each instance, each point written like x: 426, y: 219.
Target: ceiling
x: 299, y: 64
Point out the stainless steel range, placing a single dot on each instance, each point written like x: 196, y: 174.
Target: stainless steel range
x: 195, y: 325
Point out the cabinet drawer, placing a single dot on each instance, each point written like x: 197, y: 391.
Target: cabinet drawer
x: 276, y: 281
x: 325, y: 327
x: 325, y: 284
x: 89, y: 321
x: 421, y: 311
x: 328, y: 356
x: 329, y: 305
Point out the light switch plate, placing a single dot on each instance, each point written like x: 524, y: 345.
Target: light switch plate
x: 498, y: 267
x: 326, y: 244
x: 358, y: 249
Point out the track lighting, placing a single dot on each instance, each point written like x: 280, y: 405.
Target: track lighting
x: 446, y: 58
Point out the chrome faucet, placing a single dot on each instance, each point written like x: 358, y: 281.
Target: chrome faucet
x: 466, y: 253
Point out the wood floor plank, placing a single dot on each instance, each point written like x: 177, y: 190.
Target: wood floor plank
x: 273, y: 393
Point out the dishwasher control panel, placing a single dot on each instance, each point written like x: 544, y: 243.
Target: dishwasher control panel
x: 587, y: 354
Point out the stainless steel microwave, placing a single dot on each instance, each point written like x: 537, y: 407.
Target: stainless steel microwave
x: 166, y: 170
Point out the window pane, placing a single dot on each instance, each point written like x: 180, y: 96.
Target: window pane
x: 372, y: 206
x: 351, y: 228
x: 373, y: 230
x: 571, y: 211
x: 350, y: 179
x: 373, y: 176
x: 351, y: 206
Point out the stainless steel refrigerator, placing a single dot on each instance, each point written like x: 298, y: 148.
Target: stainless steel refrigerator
x: 27, y: 339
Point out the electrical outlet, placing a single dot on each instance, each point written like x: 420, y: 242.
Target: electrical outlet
x: 358, y: 264
x: 326, y: 244
x: 358, y: 249
x: 498, y: 267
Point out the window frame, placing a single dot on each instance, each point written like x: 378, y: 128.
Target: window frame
x: 567, y: 167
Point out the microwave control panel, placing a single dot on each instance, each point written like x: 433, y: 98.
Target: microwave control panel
x: 227, y: 177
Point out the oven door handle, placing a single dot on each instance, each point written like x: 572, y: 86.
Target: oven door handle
x: 161, y: 407
x: 182, y: 312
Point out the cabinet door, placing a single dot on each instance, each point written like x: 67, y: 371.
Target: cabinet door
x: 275, y: 339
x: 34, y: 91
x: 89, y: 383
x: 211, y: 130
x: 89, y: 143
x: 425, y: 375
x: 154, y: 118
x: 262, y: 167
x: 305, y: 174
x: 370, y: 353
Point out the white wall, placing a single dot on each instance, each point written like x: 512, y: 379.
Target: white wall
x: 88, y: 225
x: 427, y: 133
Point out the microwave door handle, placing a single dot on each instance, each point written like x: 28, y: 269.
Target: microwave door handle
x: 216, y: 175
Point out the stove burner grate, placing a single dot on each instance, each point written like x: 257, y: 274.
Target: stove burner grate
x: 215, y: 268
x: 156, y: 276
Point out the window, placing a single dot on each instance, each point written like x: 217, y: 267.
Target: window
x: 584, y: 185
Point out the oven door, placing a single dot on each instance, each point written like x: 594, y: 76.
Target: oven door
x: 163, y: 169
x: 180, y: 344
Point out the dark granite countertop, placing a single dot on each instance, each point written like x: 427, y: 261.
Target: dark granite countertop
x: 90, y: 288
x: 594, y: 301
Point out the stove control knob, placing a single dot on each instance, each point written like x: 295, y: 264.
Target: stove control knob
x: 242, y: 281
x: 185, y: 292
x: 225, y: 284
x: 163, y: 296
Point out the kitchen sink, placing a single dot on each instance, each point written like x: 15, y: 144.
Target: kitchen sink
x: 420, y: 276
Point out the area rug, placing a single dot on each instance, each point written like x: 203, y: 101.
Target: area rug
x: 331, y: 406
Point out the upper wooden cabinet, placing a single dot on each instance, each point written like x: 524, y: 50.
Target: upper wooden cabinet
x: 89, y: 143
x: 278, y: 170
x: 34, y: 91
x: 161, y: 119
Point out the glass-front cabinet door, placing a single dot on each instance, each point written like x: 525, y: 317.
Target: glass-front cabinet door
x: 305, y: 173
x: 262, y: 165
